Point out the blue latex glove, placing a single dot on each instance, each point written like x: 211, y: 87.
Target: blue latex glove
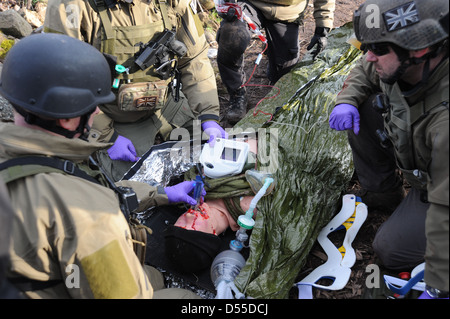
x: 345, y: 117
x: 123, y: 150
x: 214, y: 130
x: 180, y: 193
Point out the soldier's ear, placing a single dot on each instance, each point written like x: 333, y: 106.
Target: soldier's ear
x: 69, y: 124
x: 419, y: 53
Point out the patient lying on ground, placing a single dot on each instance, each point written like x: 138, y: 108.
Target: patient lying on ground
x: 212, y: 217
x: 194, y: 240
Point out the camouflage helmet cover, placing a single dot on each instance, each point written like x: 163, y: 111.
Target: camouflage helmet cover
x: 412, y: 25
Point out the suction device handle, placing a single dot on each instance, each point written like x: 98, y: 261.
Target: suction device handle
x: 198, y: 188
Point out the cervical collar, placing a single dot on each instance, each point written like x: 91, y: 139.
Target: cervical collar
x: 340, y: 260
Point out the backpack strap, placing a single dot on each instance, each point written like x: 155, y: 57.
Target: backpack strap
x: 435, y: 103
x: 163, y: 7
x: 20, y: 167
x: 101, y: 7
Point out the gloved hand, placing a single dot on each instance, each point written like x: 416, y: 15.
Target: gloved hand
x: 319, y: 40
x: 345, y: 117
x: 123, y: 150
x: 180, y: 193
x: 214, y: 130
x: 426, y: 295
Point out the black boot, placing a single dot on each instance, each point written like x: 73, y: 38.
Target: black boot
x: 237, y: 108
x: 387, y: 201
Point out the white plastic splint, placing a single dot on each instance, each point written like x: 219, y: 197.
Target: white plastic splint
x: 337, y: 268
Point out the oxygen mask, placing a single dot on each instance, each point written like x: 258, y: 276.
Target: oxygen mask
x: 256, y: 179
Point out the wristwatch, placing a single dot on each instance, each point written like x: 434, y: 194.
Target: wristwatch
x: 436, y: 293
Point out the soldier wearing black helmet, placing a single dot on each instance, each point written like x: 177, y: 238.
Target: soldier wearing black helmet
x: 69, y: 237
x: 153, y: 97
x: 394, y: 105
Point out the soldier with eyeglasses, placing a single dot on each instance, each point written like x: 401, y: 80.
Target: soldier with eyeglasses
x: 394, y: 106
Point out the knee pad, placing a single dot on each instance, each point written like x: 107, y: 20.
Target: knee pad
x: 233, y: 37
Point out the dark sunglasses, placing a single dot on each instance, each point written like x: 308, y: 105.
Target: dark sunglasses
x: 378, y: 49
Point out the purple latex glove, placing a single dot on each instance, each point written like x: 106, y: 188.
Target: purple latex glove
x: 180, y: 193
x: 123, y: 150
x: 214, y: 130
x: 345, y: 117
x: 426, y: 295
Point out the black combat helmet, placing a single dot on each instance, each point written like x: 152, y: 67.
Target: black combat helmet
x: 55, y: 76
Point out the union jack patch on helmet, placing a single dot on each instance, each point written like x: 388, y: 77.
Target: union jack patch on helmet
x: 401, y: 16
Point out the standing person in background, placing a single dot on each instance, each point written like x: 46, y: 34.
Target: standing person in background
x: 165, y: 85
x: 407, y: 128
x: 281, y: 20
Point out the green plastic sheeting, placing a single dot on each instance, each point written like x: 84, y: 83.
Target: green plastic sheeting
x: 311, y: 162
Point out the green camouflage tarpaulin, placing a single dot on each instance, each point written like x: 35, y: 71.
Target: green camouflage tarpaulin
x: 312, y: 165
